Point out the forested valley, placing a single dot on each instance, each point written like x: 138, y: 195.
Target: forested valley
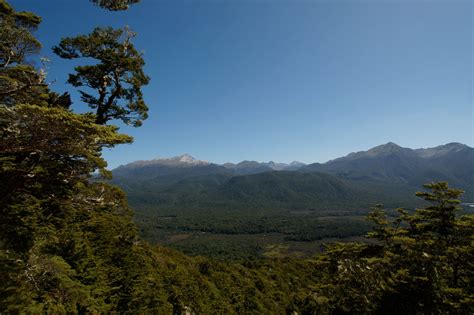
x: 69, y: 243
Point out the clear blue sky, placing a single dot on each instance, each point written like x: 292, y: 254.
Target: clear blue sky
x: 286, y: 80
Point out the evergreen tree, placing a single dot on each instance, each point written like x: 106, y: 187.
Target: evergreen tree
x: 114, y: 83
x: 420, y: 263
x: 114, y: 5
x: 47, y: 157
x: 20, y: 81
x: 47, y: 204
x: 432, y: 271
x: 17, y: 44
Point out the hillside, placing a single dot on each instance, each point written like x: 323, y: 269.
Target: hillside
x: 186, y: 195
x: 386, y: 173
x: 453, y: 162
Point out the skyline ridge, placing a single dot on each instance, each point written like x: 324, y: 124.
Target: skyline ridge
x: 389, y: 144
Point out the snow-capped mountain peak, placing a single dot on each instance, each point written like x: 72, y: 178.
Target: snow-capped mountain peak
x: 188, y: 159
x: 183, y: 160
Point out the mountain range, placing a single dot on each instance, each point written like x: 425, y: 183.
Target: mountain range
x: 387, y: 173
x: 182, y: 194
x: 453, y: 162
x: 252, y: 167
x: 187, y: 165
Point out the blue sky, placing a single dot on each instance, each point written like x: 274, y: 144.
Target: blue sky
x: 285, y: 80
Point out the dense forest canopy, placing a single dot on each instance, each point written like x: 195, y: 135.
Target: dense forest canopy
x: 69, y: 244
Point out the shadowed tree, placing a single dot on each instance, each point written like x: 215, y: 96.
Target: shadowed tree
x: 57, y: 228
x: 16, y: 39
x: 17, y: 43
x: 20, y: 81
x: 113, y: 83
x: 46, y: 157
x: 114, y: 5
x: 420, y: 263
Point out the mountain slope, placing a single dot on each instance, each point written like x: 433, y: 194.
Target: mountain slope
x: 287, y: 187
x: 254, y: 167
x: 452, y: 162
x: 185, y: 195
x: 248, y: 167
x: 183, y: 165
x: 388, y: 174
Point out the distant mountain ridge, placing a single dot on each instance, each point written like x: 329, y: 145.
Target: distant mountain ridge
x: 387, y: 173
x: 187, y: 161
x: 393, y: 148
x: 453, y: 162
x: 181, y: 160
x: 254, y: 167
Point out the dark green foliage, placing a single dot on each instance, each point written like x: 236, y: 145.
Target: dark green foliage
x: 17, y: 79
x: 114, y: 5
x: 47, y: 156
x: 17, y: 42
x: 300, y: 206
x: 422, y: 263
x: 20, y: 81
x: 115, y: 81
